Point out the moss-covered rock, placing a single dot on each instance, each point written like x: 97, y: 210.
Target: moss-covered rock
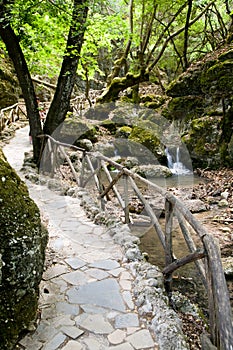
x: 9, y: 86
x: 100, y: 111
x: 184, y: 108
x: 146, y: 141
x: 22, y: 250
x: 152, y: 101
x: 74, y: 129
x: 124, y: 131
x: 218, y: 79
x: 201, y: 107
x: 202, y: 141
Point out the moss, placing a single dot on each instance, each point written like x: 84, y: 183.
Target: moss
x: 147, y: 134
x: 184, y: 108
x: 152, y: 101
x: 124, y: 131
x: 9, y: 85
x: 218, y: 78
x: 22, y: 247
x: 202, y: 141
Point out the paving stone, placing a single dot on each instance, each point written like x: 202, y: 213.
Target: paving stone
x: 96, y: 342
x: 117, y: 337
x: 55, y: 342
x: 128, y: 299
x: 106, y: 264
x: 141, y: 339
x: 30, y: 344
x: 116, y: 272
x: 72, y: 331
x: 75, y: 263
x: 125, y: 284
x: 75, y: 278
x: 126, y: 320
x: 98, y: 274
x: 125, y: 346
x: 101, y: 293
x: 45, y: 331
x: 126, y: 276
x: 65, y: 320
x: 94, y: 323
x: 67, y: 309
x: 92, y: 309
x: 54, y: 271
x: 61, y: 283
x: 49, y: 312
x: 131, y: 330
x: 73, y: 345
x: 112, y: 315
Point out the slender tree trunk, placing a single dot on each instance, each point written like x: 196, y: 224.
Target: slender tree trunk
x: 14, y: 50
x: 186, y: 34
x: 61, y: 101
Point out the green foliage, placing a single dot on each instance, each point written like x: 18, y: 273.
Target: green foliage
x: 42, y: 30
x: 102, y: 30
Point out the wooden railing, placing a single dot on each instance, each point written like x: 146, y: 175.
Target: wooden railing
x: 207, y: 259
x: 11, y: 114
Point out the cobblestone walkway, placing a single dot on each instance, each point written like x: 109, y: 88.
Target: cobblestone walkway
x: 86, y: 300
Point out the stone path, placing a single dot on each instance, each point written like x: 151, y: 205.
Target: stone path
x: 86, y: 300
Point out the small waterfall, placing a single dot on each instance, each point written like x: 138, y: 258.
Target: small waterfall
x: 175, y: 165
x: 169, y: 159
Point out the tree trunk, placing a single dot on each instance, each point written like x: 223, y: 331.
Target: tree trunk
x: 186, y: 34
x: 61, y: 101
x: 14, y: 50
x: 119, y: 84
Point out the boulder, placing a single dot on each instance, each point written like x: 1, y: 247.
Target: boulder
x: 23, y: 241
x: 150, y: 171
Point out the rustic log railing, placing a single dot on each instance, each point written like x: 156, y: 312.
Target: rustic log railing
x: 211, y: 271
x: 10, y: 115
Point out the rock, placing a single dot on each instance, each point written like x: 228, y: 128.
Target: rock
x: 9, y: 85
x: 85, y: 144
x: 225, y: 195
x: 22, y: 247
x: 129, y: 162
x: 150, y: 171
x: 73, y: 130
x: 228, y: 266
x: 106, y: 148
x: 195, y: 205
x: 223, y: 203
x: 197, y: 110
x: 124, y: 132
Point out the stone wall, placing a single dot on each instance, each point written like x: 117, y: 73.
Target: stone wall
x: 23, y: 241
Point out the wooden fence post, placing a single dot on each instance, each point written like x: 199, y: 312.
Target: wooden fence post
x: 81, y: 178
x: 126, y: 196
x: 169, y: 209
